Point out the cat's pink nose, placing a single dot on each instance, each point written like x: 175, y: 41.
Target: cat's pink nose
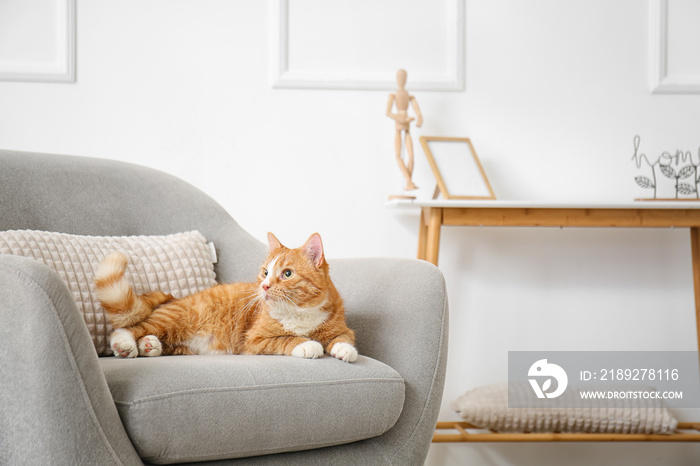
x: 265, y: 287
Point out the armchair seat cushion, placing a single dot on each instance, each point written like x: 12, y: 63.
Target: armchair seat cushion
x: 196, y: 408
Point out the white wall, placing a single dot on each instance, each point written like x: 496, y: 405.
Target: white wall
x: 555, y: 92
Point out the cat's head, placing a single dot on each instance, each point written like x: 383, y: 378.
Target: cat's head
x: 295, y: 277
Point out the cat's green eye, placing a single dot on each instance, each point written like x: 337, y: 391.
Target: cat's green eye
x: 287, y: 273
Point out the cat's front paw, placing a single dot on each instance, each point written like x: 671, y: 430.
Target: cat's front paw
x: 309, y: 349
x: 344, y: 351
x: 123, y: 344
x: 150, y: 346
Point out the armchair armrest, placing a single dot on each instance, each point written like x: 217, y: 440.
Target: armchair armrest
x: 55, y: 406
x: 399, y: 312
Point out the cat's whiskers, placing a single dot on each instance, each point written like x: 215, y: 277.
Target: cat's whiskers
x: 256, y: 301
x: 247, y: 298
x: 287, y: 298
x: 320, y: 292
x: 251, y: 299
x: 296, y: 306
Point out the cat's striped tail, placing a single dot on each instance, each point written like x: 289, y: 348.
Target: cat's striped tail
x: 123, y: 307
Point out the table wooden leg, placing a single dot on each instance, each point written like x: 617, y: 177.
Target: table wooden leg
x: 695, y: 253
x: 432, y: 247
x: 423, y: 233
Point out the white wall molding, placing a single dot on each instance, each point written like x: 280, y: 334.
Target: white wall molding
x: 61, y: 67
x: 660, y: 80
x: 283, y: 77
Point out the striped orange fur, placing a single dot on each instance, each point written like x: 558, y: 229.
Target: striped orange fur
x: 292, y: 309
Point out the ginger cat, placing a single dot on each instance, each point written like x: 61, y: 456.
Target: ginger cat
x: 293, y: 309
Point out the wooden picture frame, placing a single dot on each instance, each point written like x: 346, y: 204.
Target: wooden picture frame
x: 456, y: 167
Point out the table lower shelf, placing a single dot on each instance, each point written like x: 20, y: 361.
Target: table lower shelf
x: 686, y: 432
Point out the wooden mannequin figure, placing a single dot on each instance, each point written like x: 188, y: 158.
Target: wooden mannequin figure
x: 403, y: 125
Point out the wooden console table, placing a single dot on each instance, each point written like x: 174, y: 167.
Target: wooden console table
x: 494, y: 213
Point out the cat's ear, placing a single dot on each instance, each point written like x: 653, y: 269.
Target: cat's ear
x: 273, y: 242
x: 314, y: 249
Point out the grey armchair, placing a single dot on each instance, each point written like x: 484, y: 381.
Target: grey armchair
x: 62, y: 404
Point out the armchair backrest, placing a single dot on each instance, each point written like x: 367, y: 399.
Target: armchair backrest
x: 89, y: 196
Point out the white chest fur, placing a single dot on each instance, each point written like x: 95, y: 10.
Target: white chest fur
x: 299, y: 321
x: 201, y: 344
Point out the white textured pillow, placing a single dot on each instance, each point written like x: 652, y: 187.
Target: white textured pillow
x: 179, y: 264
x: 487, y: 407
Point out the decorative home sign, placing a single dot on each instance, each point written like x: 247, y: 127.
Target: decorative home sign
x: 456, y: 168
x: 671, y: 177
